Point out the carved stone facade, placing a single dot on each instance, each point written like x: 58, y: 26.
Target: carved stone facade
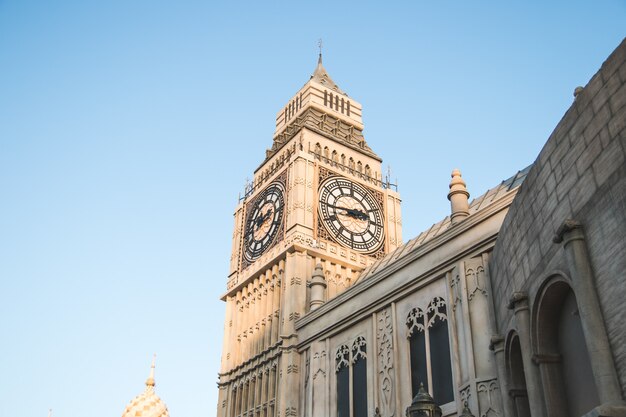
x: 496, y: 309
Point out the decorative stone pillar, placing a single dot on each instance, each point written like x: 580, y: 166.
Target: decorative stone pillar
x: 318, y: 286
x: 519, y: 303
x: 571, y: 235
x: 459, y: 198
x: 552, y: 377
x: 496, y: 345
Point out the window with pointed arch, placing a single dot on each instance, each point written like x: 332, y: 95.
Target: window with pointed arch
x: 351, y: 373
x: 430, y: 351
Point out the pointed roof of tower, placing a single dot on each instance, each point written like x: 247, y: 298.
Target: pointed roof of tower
x: 320, y: 75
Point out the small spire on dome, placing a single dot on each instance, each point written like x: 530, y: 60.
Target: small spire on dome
x: 150, y: 380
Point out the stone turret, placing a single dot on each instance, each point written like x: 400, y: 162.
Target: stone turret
x: 459, y: 198
x: 318, y: 285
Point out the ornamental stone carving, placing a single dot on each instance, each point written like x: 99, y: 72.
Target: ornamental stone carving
x: 386, y: 381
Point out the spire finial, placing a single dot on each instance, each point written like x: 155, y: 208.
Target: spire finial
x: 319, y: 45
x: 50, y: 412
x: 150, y: 380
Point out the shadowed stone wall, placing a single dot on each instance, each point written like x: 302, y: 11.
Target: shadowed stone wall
x: 580, y: 174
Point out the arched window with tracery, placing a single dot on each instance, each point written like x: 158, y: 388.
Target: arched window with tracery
x: 429, y: 343
x: 351, y: 375
x: 417, y: 342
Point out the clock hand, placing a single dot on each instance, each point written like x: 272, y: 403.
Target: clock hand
x: 354, y: 213
x: 259, y: 221
x: 357, y: 214
x: 262, y: 218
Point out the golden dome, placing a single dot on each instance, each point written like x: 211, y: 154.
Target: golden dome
x: 147, y: 404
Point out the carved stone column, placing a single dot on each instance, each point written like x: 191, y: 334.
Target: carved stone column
x: 497, y: 347
x: 298, y: 266
x: 571, y: 235
x: 554, y: 389
x: 519, y: 303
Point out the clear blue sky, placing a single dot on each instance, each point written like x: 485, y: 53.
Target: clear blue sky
x: 127, y: 129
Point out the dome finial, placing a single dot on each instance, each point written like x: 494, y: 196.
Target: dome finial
x: 150, y: 380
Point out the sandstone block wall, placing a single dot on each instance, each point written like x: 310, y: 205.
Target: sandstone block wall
x: 579, y: 174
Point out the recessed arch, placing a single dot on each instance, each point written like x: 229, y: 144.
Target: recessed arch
x: 561, y: 349
x: 516, y: 376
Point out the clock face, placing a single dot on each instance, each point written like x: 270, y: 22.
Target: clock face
x: 265, y: 216
x: 351, y: 214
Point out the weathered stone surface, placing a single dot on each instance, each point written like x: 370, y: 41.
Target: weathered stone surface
x: 579, y: 174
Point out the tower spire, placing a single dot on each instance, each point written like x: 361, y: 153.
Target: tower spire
x: 150, y: 380
x: 319, y: 45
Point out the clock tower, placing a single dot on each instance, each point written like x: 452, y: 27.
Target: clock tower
x: 317, y: 199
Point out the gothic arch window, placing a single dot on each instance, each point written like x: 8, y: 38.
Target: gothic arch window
x: 417, y: 343
x: 368, y: 170
x: 429, y: 346
x: 351, y: 376
x: 343, y: 160
x: 348, y: 108
x: 326, y: 152
x: 318, y: 150
x: 351, y: 163
x: 562, y: 351
x: 359, y: 166
x: 334, y: 156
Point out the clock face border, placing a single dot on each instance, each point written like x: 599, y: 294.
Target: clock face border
x: 264, y: 221
x: 350, y: 214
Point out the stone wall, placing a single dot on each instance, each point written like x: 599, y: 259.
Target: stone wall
x: 580, y: 174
